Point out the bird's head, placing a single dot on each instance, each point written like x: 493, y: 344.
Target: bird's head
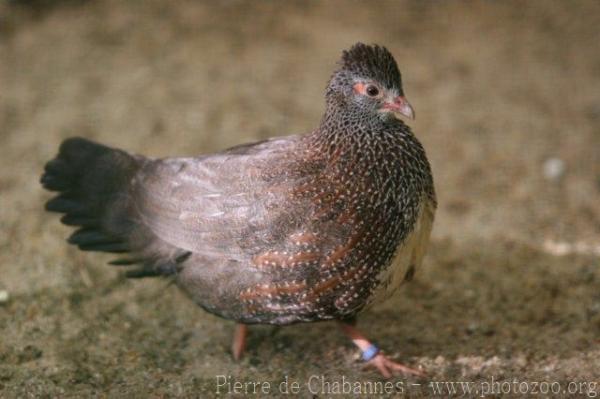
x: 369, y: 80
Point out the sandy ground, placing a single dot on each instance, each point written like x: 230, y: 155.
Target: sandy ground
x: 503, y: 91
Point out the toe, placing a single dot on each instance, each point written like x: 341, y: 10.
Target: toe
x: 386, y: 366
x: 405, y: 369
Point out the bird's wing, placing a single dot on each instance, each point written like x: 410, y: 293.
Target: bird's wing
x: 230, y: 204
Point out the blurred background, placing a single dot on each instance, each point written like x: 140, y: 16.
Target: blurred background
x: 507, y: 98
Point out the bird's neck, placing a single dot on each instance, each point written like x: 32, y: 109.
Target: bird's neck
x: 351, y: 130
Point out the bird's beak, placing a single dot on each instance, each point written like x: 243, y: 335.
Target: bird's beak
x: 401, y: 106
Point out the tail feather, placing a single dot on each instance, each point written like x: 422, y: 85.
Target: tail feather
x: 125, y: 261
x: 63, y: 204
x: 92, y: 180
x: 91, y: 239
x: 93, y: 183
x: 72, y: 219
x: 141, y: 273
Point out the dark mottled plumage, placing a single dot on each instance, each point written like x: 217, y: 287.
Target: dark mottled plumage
x: 294, y: 229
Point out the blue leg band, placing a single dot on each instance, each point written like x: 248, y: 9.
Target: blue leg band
x: 369, y: 353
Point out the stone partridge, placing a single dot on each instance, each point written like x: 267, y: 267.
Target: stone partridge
x: 295, y: 229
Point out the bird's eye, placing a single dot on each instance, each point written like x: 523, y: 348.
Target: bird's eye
x: 372, y: 91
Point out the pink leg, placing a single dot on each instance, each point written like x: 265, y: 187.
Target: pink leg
x: 239, y: 340
x: 385, y: 366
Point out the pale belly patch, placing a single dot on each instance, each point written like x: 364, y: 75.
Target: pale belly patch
x: 409, y: 255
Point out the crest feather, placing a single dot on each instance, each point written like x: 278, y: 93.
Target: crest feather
x: 372, y: 62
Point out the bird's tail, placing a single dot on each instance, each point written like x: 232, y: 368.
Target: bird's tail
x: 92, y: 182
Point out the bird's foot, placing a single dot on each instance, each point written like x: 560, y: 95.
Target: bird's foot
x: 387, y: 367
x: 373, y: 357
